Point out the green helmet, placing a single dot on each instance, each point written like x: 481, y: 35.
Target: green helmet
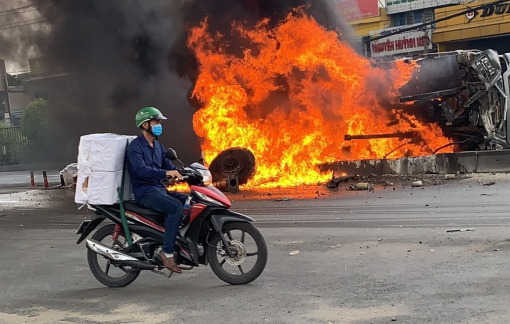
x: 146, y: 114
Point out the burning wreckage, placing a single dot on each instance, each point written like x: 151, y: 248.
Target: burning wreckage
x: 467, y: 92
x: 474, y: 106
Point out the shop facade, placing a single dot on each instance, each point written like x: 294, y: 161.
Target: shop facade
x: 487, y: 28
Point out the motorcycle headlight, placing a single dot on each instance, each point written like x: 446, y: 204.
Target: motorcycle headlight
x: 209, y: 199
x: 207, y: 176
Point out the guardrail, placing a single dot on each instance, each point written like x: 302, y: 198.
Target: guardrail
x: 13, y: 146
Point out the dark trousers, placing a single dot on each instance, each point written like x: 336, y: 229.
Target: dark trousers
x: 171, y: 203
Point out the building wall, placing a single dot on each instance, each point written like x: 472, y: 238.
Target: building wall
x: 363, y: 27
x: 464, y: 33
x: 489, y: 28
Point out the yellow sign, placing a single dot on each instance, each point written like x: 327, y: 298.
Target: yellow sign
x: 489, y: 10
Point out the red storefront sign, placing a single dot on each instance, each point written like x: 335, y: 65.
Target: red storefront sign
x: 357, y: 9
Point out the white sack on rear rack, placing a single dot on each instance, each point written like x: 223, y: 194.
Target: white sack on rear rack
x: 100, y: 169
x: 101, y: 188
x: 102, y: 152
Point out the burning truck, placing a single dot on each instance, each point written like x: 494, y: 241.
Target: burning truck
x: 467, y: 92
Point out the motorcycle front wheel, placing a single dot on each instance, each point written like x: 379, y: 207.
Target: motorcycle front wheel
x: 249, y: 253
x: 110, y: 275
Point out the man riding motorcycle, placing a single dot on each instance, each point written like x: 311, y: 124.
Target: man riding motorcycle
x: 147, y: 166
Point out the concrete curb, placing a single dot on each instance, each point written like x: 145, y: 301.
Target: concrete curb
x: 463, y: 162
x: 32, y: 167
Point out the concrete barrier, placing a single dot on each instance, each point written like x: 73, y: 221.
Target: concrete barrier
x: 445, y: 163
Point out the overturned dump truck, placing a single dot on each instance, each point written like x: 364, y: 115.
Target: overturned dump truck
x: 468, y: 92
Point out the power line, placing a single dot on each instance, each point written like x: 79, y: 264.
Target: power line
x: 14, y: 9
x: 24, y: 23
x: 6, y: 14
x: 403, y: 30
x: 19, y: 10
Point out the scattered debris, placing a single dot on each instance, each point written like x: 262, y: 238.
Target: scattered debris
x: 431, y: 250
x: 408, y: 250
x: 393, y: 319
x: 495, y: 250
x: 69, y: 174
x: 418, y: 183
x: 295, y: 252
x: 362, y: 186
x: 285, y: 199
x: 379, y: 240
x: 490, y: 183
x: 449, y: 176
x: 460, y: 230
x: 335, y: 181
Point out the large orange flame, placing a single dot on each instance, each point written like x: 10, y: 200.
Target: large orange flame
x: 292, y: 94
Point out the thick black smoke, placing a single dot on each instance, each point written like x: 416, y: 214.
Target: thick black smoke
x: 109, y: 59
x: 113, y: 57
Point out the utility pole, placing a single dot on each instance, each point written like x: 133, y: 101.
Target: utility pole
x: 426, y: 41
x: 4, y: 89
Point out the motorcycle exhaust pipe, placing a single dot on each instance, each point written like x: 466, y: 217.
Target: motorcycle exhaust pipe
x: 121, y: 258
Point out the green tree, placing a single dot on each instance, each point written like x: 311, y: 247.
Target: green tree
x: 35, y: 122
x: 36, y: 126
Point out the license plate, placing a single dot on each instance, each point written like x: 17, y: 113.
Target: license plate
x: 83, y: 226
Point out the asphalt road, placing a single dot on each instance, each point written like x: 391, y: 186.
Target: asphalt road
x: 364, y: 257
x: 22, y: 178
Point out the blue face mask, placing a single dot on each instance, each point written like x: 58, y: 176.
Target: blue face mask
x: 157, y: 130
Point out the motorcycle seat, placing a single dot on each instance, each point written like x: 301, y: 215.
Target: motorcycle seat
x: 155, y: 216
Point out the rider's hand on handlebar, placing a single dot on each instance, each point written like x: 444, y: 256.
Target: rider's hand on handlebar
x: 174, y: 174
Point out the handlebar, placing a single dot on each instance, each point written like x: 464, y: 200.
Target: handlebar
x: 171, y: 180
x: 191, y: 176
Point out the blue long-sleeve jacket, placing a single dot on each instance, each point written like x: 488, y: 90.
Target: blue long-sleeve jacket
x: 147, y: 166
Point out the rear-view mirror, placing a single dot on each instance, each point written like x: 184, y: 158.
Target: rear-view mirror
x: 171, y: 154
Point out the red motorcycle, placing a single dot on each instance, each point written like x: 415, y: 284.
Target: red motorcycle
x: 209, y: 234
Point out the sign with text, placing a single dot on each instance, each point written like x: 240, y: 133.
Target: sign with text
x: 357, y: 9
x: 488, y: 11
x: 396, y: 6
x: 407, y: 42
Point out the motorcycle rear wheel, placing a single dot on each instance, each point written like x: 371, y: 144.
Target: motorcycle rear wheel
x: 103, y: 276
x: 215, y: 249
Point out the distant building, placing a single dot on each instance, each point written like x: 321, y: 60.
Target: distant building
x: 482, y: 29
x: 44, y: 76
x: 487, y: 28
